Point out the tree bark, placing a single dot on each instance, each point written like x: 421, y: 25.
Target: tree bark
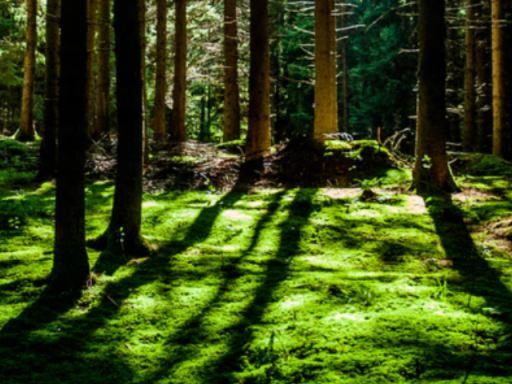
x: 103, y: 91
x: 51, y: 102
x: 91, y: 58
x: 26, y: 131
x: 431, y: 171
x: 258, y: 136
x: 161, y: 72
x: 178, y: 129
x: 231, y: 89
x: 469, y: 134
x: 344, y: 65
x: 484, y: 132
x: 498, y: 78
x: 145, y: 127
x: 71, y: 266
x: 326, y: 113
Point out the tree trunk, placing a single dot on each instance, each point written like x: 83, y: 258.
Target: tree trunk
x: 258, y: 136
x: 431, y: 171
x: 482, y: 121
x: 326, y: 113
x: 26, y: 131
x: 178, y: 129
x: 145, y: 127
x: 498, y: 78
x: 469, y: 134
x: 123, y: 236
x: 103, y: 91
x: 51, y: 102
x: 344, y: 66
x: 451, y: 80
x: 91, y: 58
x: 71, y: 266
x: 161, y: 70
x: 231, y: 89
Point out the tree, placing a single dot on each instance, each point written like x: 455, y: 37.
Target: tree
x: 71, y: 266
x: 344, y: 66
x: 161, y: 69
x: 103, y: 77
x: 145, y: 128
x: 326, y: 109
x: 91, y: 58
x: 231, y: 90
x: 123, y: 235
x: 26, y: 131
x: 51, y: 104
x: 178, y: 129
x: 498, y: 78
x: 258, y: 136
x: 469, y: 134
x: 431, y: 171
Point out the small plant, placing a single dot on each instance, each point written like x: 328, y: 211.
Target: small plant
x: 367, y: 185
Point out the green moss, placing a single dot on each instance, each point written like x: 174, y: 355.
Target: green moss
x: 337, y: 145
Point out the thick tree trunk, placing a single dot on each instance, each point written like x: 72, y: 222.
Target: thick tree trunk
x: 71, y: 266
x: 326, y: 111
x: 178, y: 129
x: 91, y: 58
x: 231, y: 89
x: 469, y: 134
x: 258, y: 136
x: 431, y: 171
x: 161, y: 70
x: 498, y: 78
x: 103, y: 91
x: 51, y: 102
x: 26, y: 131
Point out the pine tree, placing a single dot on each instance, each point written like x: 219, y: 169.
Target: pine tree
x: 103, y: 83
x: 161, y: 69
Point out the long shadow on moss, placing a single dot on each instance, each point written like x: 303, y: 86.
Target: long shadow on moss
x: 479, y: 279
x: 24, y: 341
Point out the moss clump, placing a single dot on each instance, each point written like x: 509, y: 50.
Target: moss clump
x: 13, y: 147
x: 484, y: 165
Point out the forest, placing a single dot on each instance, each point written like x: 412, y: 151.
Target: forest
x: 256, y: 191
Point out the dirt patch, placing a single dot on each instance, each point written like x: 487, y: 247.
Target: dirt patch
x: 416, y: 205
x: 236, y: 215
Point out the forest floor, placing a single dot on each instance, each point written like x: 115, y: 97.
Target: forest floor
x: 273, y: 286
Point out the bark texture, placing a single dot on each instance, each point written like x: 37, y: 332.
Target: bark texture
x: 498, y: 78
x: 469, y: 136
x: 326, y: 110
x: 431, y: 171
x: 91, y: 58
x: 178, y: 129
x: 258, y: 136
x: 26, y: 131
x: 344, y: 66
x: 231, y: 89
x: 161, y: 72
x: 51, y: 101
x: 71, y: 266
x: 103, y: 77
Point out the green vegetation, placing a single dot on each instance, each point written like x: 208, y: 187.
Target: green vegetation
x: 278, y: 286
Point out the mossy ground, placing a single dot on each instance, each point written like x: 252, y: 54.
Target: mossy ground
x: 277, y: 286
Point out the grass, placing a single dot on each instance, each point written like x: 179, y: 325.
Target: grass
x: 278, y: 286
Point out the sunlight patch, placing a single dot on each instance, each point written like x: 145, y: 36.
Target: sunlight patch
x: 235, y: 215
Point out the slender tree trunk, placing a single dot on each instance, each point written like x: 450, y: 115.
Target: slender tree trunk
x: 51, y: 102
x: 470, y: 135
x: 26, y: 131
x: 123, y: 235
x: 91, y: 58
x: 482, y: 121
x: 431, y: 171
x: 161, y: 70
x: 178, y: 129
x: 498, y: 78
x: 231, y: 89
x: 71, y: 266
x: 451, y: 80
x: 202, y: 125
x: 326, y: 113
x: 103, y: 92
x: 344, y: 66
x: 145, y: 127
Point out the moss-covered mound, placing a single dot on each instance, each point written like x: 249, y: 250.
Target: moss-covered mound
x: 479, y: 164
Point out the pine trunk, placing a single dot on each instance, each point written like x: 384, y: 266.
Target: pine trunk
x: 258, y: 136
x: 178, y: 129
x: 344, y: 65
x: 469, y: 135
x: 145, y: 127
x: 51, y: 102
x: 482, y: 121
x: 498, y: 78
x: 71, y: 266
x: 431, y: 171
x: 231, y: 90
x: 26, y: 131
x: 103, y: 91
x: 326, y: 114
x: 161, y: 70
x: 91, y: 58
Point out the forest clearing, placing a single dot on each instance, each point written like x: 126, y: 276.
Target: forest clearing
x: 255, y: 191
